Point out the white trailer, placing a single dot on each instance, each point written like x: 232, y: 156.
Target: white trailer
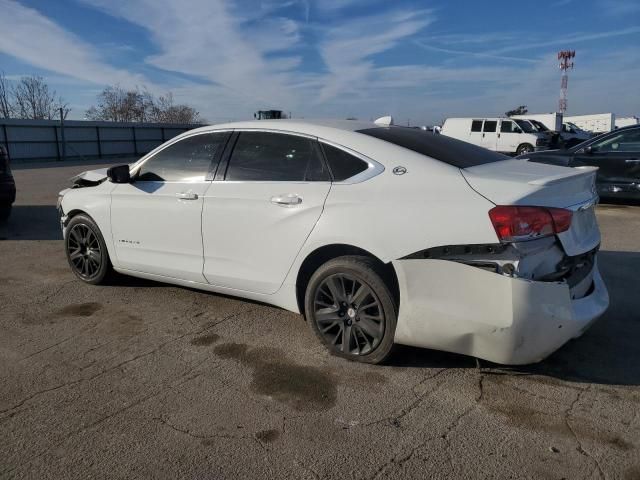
x: 596, y: 123
x: 626, y: 121
x: 553, y: 121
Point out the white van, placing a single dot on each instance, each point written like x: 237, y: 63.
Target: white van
x: 498, y: 134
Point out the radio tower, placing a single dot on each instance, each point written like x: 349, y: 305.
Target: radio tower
x: 565, y: 64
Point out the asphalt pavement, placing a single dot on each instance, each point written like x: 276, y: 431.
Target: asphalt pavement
x: 143, y: 380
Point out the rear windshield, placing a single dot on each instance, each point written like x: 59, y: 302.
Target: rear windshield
x: 445, y: 149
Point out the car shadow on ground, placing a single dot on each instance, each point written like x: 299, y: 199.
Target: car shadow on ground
x: 31, y: 222
x: 608, y: 353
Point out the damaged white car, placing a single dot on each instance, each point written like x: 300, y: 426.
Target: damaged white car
x: 379, y: 235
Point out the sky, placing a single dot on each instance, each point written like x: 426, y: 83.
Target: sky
x: 420, y: 61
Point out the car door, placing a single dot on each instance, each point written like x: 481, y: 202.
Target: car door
x: 257, y: 216
x: 156, y: 220
x: 616, y: 155
x: 508, y: 137
x: 489, y: 136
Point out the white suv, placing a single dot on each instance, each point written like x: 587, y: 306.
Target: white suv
x: 497, y: 134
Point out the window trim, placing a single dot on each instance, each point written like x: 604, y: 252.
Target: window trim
x: 373, y: 168
x: 213, y: 164
x: 224, y: 164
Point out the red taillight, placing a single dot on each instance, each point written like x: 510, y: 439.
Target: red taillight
x: 514, y: 223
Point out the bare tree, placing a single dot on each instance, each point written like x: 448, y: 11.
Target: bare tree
x: 116, y: 104
x: 165, y: 111
x: 34, y: 100
x: 6, y: 102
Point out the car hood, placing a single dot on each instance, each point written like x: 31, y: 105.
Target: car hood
x: 90, y: 177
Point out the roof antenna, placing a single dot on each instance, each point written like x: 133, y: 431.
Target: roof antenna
x: 384, y: 121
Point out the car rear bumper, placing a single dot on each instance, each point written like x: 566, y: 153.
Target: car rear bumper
x: 459, y: 308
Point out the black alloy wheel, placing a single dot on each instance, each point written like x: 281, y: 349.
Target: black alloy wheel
x: 348, y: 314
x: 86, y: 251
x: 349, y: 306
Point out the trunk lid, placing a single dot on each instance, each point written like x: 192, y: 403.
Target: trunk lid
x: 520, y: 182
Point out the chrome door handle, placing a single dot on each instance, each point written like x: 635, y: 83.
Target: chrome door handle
x: 187, y: 196
x: 286, y: 200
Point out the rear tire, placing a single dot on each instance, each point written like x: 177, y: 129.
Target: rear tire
x: 86, y: 250
x: 524, y: 148
x: 351, y: 309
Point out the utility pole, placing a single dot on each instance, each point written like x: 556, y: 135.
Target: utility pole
x: 565, y: 64
x: 64, y: 144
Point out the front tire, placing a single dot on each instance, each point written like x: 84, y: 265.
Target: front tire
x: 524, y: 148
x: 351, y: 309
x: 86, y: 251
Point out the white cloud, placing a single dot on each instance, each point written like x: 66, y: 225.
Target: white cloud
x: 34, y: 39
x: 248, y: 55
x: 619, y: 7
x: 348, y: 46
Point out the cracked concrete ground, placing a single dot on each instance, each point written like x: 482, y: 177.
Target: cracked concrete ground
x: 139, y: 379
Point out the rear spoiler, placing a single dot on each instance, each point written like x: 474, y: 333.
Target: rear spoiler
x: 555, y: 179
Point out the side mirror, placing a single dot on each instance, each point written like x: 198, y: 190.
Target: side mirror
x: 588, y: 150
x: 119, y: 174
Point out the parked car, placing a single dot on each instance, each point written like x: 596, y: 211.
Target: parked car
x: 497, y: 134
x: 616, y: 154
x: 379, y: 235
x: 572, y: 135
x: 552, y: 121
x: 555, y: 140
x: 7, y: 185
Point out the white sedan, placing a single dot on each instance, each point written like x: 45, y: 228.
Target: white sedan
x: 379, y: 235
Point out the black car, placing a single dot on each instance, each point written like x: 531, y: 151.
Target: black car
x: 616, y: 154
x: 7, y: 185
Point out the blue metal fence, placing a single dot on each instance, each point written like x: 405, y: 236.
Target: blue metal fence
x: 43, y: 139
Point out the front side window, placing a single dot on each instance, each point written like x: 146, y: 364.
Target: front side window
x: 476, y: 126
x: 526, y: 126
x: 187, y: 160
x: 627, y: 141
x: 490, y: 125
x: 276, y: 157
x: 507, y: 126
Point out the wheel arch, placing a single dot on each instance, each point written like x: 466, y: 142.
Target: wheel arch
x: 533, y: 148
x: 323, y: 254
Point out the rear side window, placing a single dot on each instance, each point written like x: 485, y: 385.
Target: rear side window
x: 275, y: 157
x: 440, y: 147
x: 342, y: 164
x: 187, y: 160
x: 490, y: 125
x: 476, y: 126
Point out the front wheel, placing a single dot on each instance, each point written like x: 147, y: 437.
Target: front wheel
x: 351, y: 309
x: 524, y: 148
x: 86, y: 251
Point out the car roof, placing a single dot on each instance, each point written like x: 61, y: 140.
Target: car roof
x: 310, y: 127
